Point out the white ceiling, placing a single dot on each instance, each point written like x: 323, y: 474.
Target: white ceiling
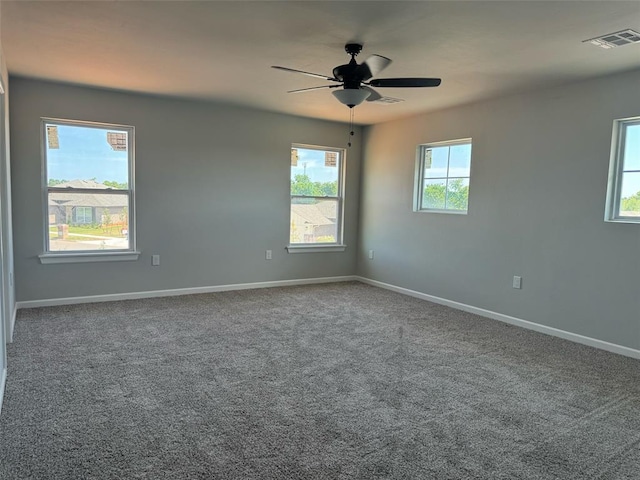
x: 223, y: 51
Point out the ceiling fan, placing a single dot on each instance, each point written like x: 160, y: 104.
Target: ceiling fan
x: 357, y: 79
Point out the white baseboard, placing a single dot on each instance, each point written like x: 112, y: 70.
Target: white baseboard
x: 50, y: 302
x: 3, y: 381
x: 574, y: 337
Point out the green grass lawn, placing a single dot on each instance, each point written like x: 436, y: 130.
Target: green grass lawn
x: 114, y: 231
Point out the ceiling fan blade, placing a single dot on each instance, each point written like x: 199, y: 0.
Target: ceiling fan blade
x: 313, y: 88
x: 405, y: 82
x: 372, y: 66
x: 315, y: 75
x: 374, y: 95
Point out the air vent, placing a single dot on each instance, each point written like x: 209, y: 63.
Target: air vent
x: 389, y: 100
x: 616, y: 39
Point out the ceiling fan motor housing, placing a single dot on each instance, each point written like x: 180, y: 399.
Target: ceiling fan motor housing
x: 349, y: 73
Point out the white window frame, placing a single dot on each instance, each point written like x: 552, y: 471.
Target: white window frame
x: 338, y: 245
x: 616, y: 171
x: 81, y: 256
x: 419, y: 176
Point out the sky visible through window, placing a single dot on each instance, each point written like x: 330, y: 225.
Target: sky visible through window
x: 84, y: 154
x: 311, y: 163
x: 456, y: 157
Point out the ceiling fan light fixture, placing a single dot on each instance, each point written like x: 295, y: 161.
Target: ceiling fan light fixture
x: 351, y: 96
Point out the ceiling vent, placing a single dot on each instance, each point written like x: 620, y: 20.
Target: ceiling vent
x: 388, y: 100
x: 617, y: 39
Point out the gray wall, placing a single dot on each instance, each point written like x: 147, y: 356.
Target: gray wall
x: 212, y: 193
x: 6, y: 241
x: 537, y: 197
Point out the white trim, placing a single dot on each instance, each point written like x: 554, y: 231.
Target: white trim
x: 3, y: 381
x: 130, y: 191
x: 616, y: 172
x: 77, y: 257
x: 49, y: 302
x: 627, y: 220
x: 12, y: 323
x: 418, y: 186
x: 574, y: 337
x: 441, y: 210
x: 315, y: 248
x: 342, y: 173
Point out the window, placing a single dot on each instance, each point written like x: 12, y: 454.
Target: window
x: 316, y: 197
x: 88, y: 190
x: 623, y: 192
x: 442, y: 179
x: 84, y: 215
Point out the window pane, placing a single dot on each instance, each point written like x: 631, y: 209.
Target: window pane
x: 314, y: 220
x: 446, y: 169
x: 82, y: 157
x: 435, y: 162
x: 83, y: 215
x: 630, y: 198
x: 460, y: 161
x: 632, y: 148
x: 434, y: 193
x: 315, y: 172
x: 88, y: 221
x: 458, y: 194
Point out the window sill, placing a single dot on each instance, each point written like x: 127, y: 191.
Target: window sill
x: 315, y: 248
x: 629, y: 220
x: 452, y: 212
x: 48, y: 258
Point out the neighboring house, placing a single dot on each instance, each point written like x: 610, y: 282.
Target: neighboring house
x: 86, y: 208
x: 314, y: 222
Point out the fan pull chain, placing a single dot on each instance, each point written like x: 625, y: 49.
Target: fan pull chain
x: 351, y: 132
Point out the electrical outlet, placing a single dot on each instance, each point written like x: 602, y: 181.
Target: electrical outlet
x: 517, y: 282
x: 155, y: 260
x: 370, y: 254
x: 268, y: 255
